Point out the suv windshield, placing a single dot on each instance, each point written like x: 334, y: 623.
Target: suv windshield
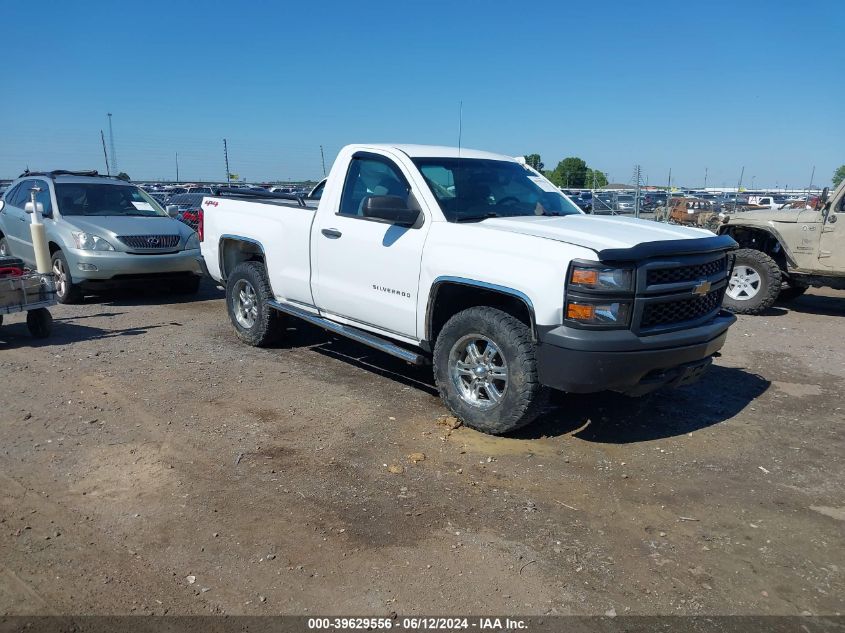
x: 474, y: 189
x: 105, y: 199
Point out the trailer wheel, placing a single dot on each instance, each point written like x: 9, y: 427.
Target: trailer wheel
x: 39, y: 322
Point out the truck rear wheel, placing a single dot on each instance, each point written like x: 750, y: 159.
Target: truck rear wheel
x: 486, y: 371
x: 754, y: 284
x: 247, y: 295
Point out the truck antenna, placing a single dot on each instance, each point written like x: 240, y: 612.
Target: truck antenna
x: 460, y: 126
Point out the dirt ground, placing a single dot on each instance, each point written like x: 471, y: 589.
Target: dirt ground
x: 151, y: 463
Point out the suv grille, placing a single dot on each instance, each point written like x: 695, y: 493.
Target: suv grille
x: 661, y: 276
x: 678, y: 311
x: 149, y: 241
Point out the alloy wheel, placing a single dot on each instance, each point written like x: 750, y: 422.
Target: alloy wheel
x: 744, y: 284
x: 245, y: 301
x: 479, y: 371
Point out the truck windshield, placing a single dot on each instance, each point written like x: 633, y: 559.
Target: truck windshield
x: 469, y: 189
x: 105, y: 199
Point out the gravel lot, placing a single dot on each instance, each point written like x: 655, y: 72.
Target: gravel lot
x: 150, y: 463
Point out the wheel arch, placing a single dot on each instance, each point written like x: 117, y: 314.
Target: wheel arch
x: 235, y: 249
x: 761, y: 238
x: 450, y: 295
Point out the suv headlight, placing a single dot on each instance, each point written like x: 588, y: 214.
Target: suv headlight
x: 192, y: 242
x: 90, y: 242
x: 602, y: 279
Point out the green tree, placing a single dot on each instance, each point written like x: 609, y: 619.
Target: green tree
x: 570, y: 172
x: 534, y: 161
x: 838, y: 176
x: 123, y: 176
x: 595, y: 179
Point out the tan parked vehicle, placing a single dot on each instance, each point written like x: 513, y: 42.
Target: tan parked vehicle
x: 785, y: 251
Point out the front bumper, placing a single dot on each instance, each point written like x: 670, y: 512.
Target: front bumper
x: 108, y: 265
x: 581, y: 361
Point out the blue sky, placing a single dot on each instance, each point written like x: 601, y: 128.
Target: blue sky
x: 686, y: 85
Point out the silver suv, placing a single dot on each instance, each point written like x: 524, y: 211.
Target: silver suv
x: 101, y: 231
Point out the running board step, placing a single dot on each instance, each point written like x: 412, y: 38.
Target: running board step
x: 360, y: 336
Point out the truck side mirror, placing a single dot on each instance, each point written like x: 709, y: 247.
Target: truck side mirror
x: 390, y: 209
x: 31, y: 209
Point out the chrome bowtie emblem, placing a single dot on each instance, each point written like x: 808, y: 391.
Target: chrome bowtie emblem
x: 702, y: 288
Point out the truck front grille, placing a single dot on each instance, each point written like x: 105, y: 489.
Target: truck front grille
x: 659, y: 276
x: 150, y: 242
x: 678, y: 311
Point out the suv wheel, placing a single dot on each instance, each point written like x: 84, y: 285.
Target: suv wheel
x: 4, y: 247
x: 66, y: 290
x: 486, y: 371
x: 247, y: 295
x: 754, y: 284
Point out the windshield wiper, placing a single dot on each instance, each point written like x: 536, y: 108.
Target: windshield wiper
x: 477, y: 218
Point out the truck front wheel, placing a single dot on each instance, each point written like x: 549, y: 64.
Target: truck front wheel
x: 486, y: 371
x: 247, y: 295
x: 754, y: 284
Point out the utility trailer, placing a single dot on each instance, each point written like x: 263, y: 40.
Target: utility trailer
x: 25, y: 291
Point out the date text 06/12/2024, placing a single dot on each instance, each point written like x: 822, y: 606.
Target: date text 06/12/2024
x: 419, y: 624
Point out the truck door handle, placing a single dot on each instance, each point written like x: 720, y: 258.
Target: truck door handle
x: 332, y: 234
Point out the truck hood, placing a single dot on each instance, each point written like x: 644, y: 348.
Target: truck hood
x: 768, y: 215
x: 600, y: 233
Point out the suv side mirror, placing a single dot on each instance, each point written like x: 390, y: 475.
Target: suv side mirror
x: 390, y: 209
x: 2, y: 205
x: 172, y: 210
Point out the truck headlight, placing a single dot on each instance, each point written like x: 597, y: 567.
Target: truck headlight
x: 604, y: 279
x: 609, y: 313
x: 90, y: 242
x: 192, y: 242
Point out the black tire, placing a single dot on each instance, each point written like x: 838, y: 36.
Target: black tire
x: 265, y: 325
x: 757, y: 296
x: 39, y: 322
x: 522, y: 397
x: 188, y: 286
x: 66, y: 290
x: 790, y: 292
x: 4, y: 248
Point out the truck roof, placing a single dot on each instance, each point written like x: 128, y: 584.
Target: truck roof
x: 433, y: 151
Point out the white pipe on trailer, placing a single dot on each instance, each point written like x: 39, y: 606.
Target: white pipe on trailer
x: 39, y: 237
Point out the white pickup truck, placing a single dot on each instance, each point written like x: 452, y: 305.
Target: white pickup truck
x: 476, y: 263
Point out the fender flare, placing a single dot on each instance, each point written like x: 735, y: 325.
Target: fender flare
x: 474, y: 283
x: 771, y: 231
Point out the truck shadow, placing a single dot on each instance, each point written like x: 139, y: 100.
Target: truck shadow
x: 606, y: 417
x: 611, y: 418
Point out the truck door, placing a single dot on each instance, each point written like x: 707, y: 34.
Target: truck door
x: 832, y: 243
x: 365, y: 270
